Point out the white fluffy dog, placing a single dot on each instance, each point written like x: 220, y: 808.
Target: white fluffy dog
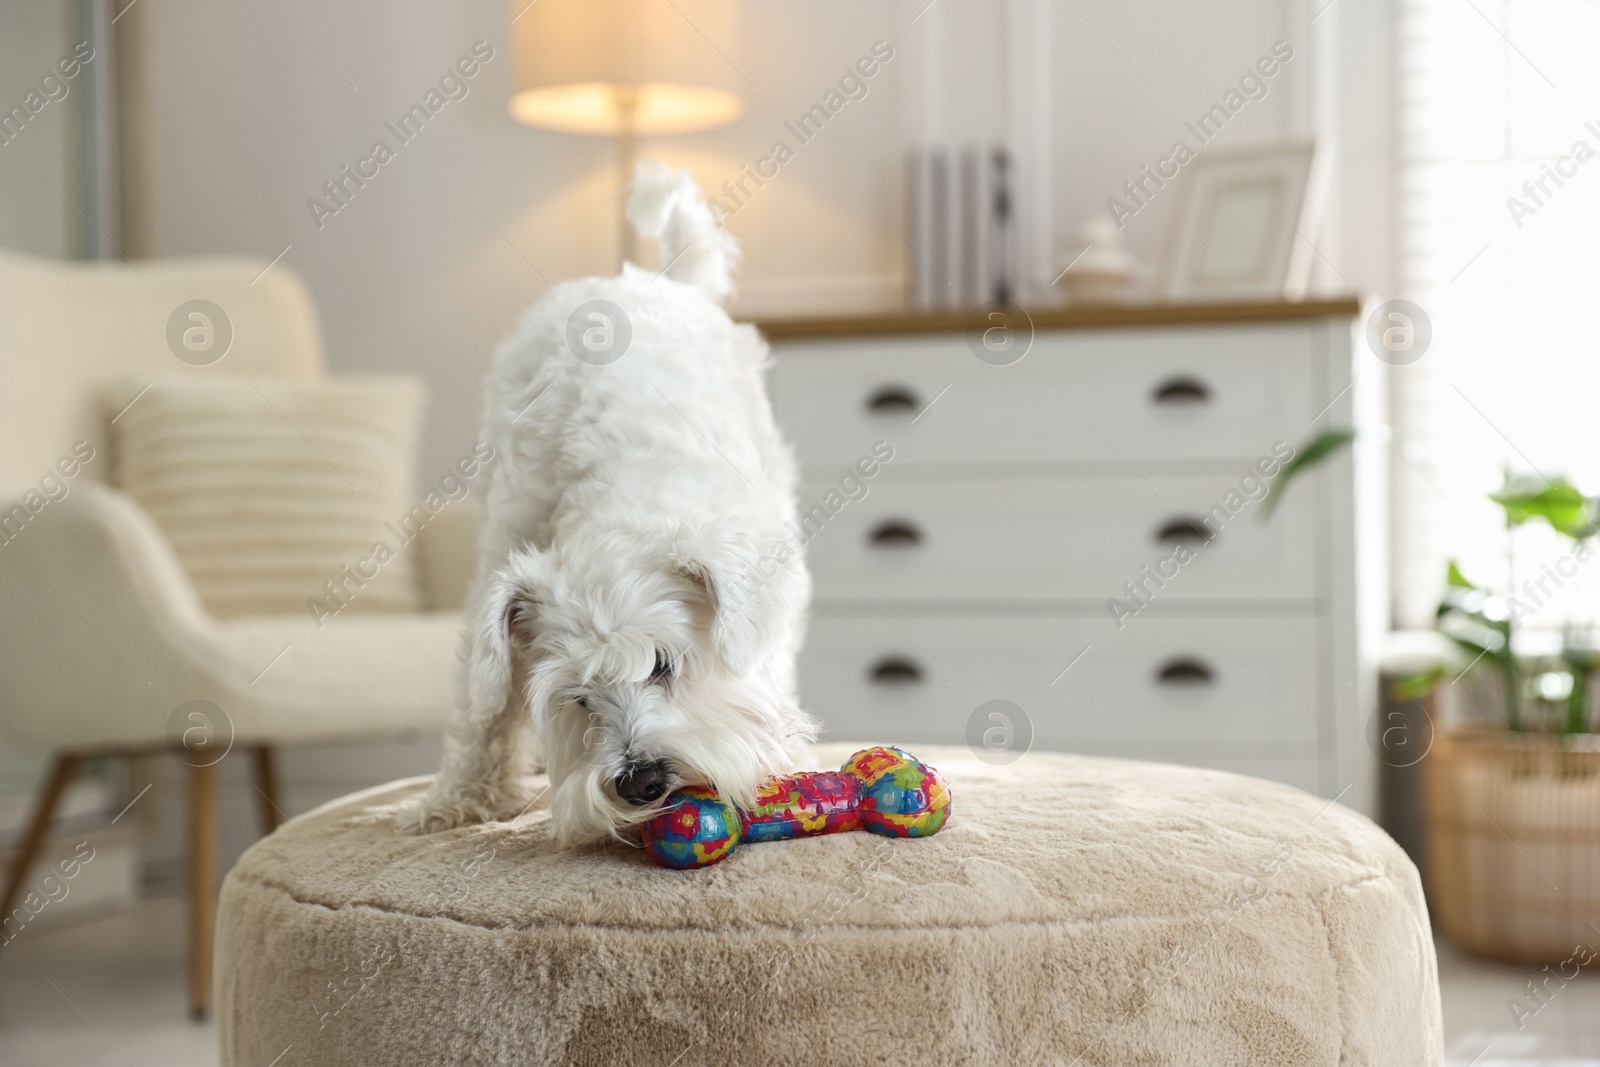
x: 639, y: 600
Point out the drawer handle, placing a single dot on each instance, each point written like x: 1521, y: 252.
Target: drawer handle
x: 1185, y: 670
x: 1183, y: 531
x: 895, y: 670
x: 1182, y: 389
x: 892, y: 400
x: 895, y: 533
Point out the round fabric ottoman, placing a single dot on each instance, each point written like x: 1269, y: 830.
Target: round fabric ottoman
x: 1073, y: 911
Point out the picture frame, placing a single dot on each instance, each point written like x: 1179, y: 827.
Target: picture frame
x: 1238, y: 231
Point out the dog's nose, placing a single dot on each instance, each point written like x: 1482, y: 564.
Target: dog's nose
x: 642, y: 782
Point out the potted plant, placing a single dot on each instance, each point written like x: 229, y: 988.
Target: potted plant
x: 1511, y: 788
x: 1511, y: 791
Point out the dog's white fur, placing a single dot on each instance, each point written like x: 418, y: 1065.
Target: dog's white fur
x: 635, y: 509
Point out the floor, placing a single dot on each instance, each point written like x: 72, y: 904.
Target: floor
x: 111, y: 991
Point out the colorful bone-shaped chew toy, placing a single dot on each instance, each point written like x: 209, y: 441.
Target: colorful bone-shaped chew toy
x: 881, y: 790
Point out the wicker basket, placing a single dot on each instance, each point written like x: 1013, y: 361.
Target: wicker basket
x: 1513, y: 831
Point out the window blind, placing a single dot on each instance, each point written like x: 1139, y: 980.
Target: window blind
x: 1498, y: 149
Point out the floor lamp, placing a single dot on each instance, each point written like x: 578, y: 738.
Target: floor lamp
x: 625, y: 69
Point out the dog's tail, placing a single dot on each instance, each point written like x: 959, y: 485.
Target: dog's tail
x: 666, y: 203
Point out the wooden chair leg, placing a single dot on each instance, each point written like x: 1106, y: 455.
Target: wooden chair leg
x: 203, y: 861
x: 269, y: 801
x: 62, y: 772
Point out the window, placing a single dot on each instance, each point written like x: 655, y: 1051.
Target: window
x: 1499, y: 197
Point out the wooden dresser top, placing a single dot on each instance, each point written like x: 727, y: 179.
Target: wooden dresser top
x: 1085, y: 317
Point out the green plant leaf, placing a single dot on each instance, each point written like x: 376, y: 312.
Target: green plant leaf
x: 1416, y: 686
x: 1306, y: 457
x: 1475, y: 603
x: 1480, y: 624
x: 1555, y: 500
x: 1474, y: 618
x: 1474, y: 636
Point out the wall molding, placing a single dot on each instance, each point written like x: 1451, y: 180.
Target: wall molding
x: 1027, y: 63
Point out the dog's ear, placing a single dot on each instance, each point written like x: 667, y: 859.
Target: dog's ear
x: 748, y: 581
x: 496, y: 643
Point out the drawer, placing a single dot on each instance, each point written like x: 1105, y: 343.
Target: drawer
x: 1158, y: 689
x: 1058, y: 539
x: 1197, y: 393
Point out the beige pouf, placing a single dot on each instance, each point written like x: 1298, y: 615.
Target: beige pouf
x: 1074, y: 910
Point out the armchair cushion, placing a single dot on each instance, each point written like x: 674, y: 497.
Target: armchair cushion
x: 278, y: 497
x: 103, y: 638
x: 448, y: 556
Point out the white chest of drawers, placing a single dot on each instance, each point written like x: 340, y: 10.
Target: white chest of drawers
x: 979, y: 563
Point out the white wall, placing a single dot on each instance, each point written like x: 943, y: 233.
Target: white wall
x: 246, y: 118
x: 33, y: 218
x: 409, y: 275
x: 1127, y: 78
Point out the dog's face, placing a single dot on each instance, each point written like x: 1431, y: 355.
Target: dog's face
x: 645, y: 662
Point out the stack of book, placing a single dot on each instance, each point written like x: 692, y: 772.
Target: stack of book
x: 961, y: 225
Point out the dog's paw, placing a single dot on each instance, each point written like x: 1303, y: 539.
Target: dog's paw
x: 430, y: 814
x: 420, y: 815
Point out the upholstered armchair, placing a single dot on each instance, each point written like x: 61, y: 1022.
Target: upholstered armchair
x: 102, y: 635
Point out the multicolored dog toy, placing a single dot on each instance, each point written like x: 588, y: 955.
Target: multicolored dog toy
x: 881, y: 790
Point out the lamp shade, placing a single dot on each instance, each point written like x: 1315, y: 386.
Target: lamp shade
x: 598, y: 66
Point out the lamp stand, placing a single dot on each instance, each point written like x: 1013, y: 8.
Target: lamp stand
x: 627, y: 101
